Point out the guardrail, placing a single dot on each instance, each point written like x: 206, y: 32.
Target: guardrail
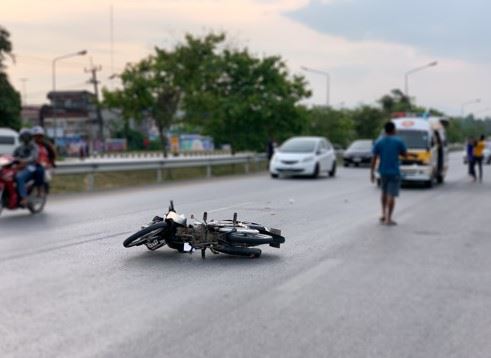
x: 456, y: 147
x: 158, y: 154
x: 90, y: 167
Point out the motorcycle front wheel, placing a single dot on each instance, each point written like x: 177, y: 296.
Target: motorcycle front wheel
x: 144, y: 235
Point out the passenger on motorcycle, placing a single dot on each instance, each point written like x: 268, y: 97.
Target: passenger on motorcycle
x: 46, y: 158
x: 26, y: 154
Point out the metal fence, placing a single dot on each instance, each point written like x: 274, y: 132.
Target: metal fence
x: 103, y: 165
x: 158, y: 154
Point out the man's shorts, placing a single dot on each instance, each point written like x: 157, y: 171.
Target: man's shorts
x: 390, y: 184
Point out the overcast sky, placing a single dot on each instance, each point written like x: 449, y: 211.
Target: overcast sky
x: 365, y: 45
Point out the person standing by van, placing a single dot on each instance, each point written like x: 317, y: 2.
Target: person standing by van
x: 388, y: 149
x: 470, y: 158
x: 478, y: 153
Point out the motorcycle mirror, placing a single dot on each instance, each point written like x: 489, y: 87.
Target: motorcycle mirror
x: 235, y: 219
x: 171, y: 206
x: 205, y: 216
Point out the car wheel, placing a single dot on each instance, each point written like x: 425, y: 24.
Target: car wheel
x: 274, y: 176
x: 429, y: 183
x: 332, y: 173
x: 315, y: 174
x: 440, y: 179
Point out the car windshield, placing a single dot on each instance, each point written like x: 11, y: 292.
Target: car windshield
x: 414, y: 139
x: 298, y: 145
x: 361, y: 145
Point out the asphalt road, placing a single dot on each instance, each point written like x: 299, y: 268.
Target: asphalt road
x: 342, y: 286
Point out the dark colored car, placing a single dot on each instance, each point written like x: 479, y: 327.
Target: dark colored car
x: 359, y: 152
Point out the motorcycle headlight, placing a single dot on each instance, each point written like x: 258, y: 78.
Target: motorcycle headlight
x: 308, y: 159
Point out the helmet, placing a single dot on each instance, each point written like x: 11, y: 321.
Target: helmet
x: 25, y: 135
x: 37, y: 130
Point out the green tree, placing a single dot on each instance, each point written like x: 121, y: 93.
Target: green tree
x: 337, y: 125
x: 235, y: 97
x: 368, y: 121
x: 157, y: 86
x: 394, y: 102
x: 10, y: 102
x: 148, y: 91
x: 257, y: 101
x: 454, y: 131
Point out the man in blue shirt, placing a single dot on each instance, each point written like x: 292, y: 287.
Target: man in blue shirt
x: 388, y: 149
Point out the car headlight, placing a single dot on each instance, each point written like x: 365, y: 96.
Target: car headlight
x: 308, y: 159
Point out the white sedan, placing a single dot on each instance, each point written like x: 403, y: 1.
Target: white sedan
x: 304, y: 156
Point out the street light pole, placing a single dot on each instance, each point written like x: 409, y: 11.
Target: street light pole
x: 414, y: 70
x: 328, y: 81
x: 53, y: 72
x: 53, y: 64
x: 472, y: 101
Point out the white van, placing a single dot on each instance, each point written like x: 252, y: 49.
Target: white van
x: 426, y: 139
x: 9, y: 140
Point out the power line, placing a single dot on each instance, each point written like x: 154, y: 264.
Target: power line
x: 44, y: 60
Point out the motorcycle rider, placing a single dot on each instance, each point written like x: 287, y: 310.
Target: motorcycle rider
x: 26, y: 154
x: 46, y: 157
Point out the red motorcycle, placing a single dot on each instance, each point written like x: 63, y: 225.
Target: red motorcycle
x: 9, y: 196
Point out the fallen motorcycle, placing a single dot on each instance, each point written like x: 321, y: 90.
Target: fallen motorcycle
x: 231, y: 237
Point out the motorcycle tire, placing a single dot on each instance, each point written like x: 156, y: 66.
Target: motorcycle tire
x: 254, y: 239
x: 36, y: 205
x: 239, y: 251
x: 137, y: 238
x: 262, y: 229
x: 3, y: 200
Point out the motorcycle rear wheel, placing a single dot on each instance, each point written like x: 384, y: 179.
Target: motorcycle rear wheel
x: 144, y: 235
x: 249, y: 239
x: 239, y: 251
x: 254, y: 239
x: 36, y: 205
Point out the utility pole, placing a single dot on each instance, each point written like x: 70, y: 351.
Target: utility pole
x: 93, y: 80
x: 24, y: 91
x: 111, y: 40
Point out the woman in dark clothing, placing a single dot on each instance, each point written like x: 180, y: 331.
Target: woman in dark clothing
x: 470, y: 158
